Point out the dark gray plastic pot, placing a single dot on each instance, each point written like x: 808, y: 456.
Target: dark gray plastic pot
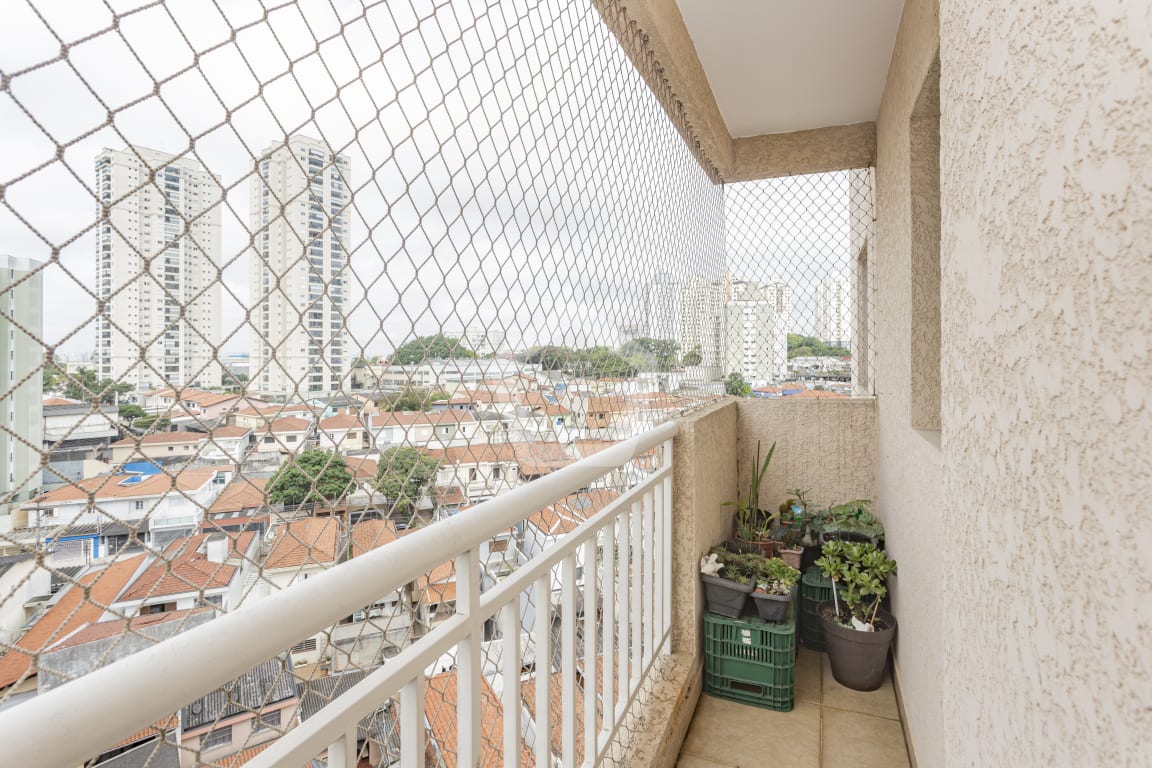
x: 858, y: 659
x: 725, y: 597
x: 773, y: 608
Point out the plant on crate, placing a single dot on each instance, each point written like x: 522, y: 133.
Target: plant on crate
x: 752, y: 526
x: 775, y: 589
x: 857, y: 630
x: 726, y: 594
x: 851, y: 521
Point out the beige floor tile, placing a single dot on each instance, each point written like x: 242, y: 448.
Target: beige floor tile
x: 881, y: 702
x: 854, y: 740
x: 746, y: 736
x: 692, y: 761
x: 808, y: 673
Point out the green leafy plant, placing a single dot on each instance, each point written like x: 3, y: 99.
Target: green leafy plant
x: 858, y: 571
x: 852, y: 517
x: 740, y: 567
x: 776, y: 577
x: 749, y: 525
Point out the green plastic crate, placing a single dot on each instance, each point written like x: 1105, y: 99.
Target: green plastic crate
x: 751, y: 661
x: 815, y: 588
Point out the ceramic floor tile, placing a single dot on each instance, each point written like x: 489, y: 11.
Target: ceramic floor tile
x: 693, y: 761
x: 855, y: 740
x: 881, y: 702
x: 808, y: 673
x: 746, y: 737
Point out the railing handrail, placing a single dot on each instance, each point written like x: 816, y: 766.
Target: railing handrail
x: 191, y: 663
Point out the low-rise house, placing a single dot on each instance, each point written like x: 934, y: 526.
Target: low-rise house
x: 346, y: 433
x: 436, y: 594
x: 198, y: 404
x: 24, y: 585
x: 255, y: 708
x: 440, y: 702
x: 223, y: 444
x: 257, y: 418
x: 76, y: 437
x: 86, y: 519
x: 241, y: 506
x: 377, y: 734
x: 76, y: 605
x: 208, y: 569
x: 420, y: 429
x: 285, y: 436
x: 481, y: 471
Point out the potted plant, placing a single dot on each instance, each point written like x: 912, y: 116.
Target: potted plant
x: 752, y: 526
x: 858, y: 632
x: 790, y: 548
x: 727, y: 594
x: 851, y: 521
x: 775, y: 589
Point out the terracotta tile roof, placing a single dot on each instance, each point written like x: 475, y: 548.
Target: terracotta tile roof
x: 370, y: 534
x: 162, y: 438
x: 71, y: 612
x: 440, y: 701
x: 310, y: 541
x: 286, y: 424
x: 439, y: 585
x: 103, y: 629
x: 474, y: 454
x: 535, y: 399
x: 343, y: 421
x: 53, y: 401
x: 450, y: 494
x: 158, y: 729
x: 588, y: 447
x: 605, y: 404
x: 230, y: 431
x: 185, y: 568
x: 108, y: 486
x: 412, y: 418
x: 276, y: 411
x: 565, y: 515
x: 244, y: 492
x: 556, y: 711
x: 243, y: 756
x: 200, y: 397
x: 362, y: 468
x: 540, y: 458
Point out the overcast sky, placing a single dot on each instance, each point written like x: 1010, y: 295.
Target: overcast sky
x: 510, y: 167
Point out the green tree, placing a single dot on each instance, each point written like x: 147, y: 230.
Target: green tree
x: 83, y: 385
x: 693, y: 356
x: 315, y: 476
x: 736, y: 385
x: 410, y: 399
x: 403, y: 474
x: 435, y: 347
x: 652, y: 354
x: 810, y: 346
x: 550, y: 358
x: 131, y: 412
x: 601, y: 363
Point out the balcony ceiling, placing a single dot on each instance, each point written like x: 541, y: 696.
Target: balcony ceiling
x: 789, y: 65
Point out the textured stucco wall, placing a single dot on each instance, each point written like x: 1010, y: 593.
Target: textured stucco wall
x: 909, y: 470
x: 827, y: 445
x: 1046, y: 189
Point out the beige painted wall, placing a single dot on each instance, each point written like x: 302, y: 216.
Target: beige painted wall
x: 1046, y: 189
x: 826, y: 445
x: 910, y: 462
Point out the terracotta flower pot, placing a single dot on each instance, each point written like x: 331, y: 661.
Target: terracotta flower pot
x: 858, y: 659
x: 791, y: 556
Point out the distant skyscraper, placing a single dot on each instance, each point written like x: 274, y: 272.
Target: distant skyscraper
x: 299, y: 208
x: 21, y: 416
x: 702, y: 318
x: 483, y: 340
x: 664, y: 308
x: 165, y: 211
x: 834, y: 310
x: 756, y: 319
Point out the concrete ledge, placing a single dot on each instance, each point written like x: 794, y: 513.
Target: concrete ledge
x: 816, y: 151
x: 653, y: 737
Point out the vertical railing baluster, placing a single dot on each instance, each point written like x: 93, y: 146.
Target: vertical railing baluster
x: 658, y: 560
x: 624, y: 613
x: 591, y: 607
x: 543, y: 631
x: 510, y: 629
x: 637, y: 599
x: 647, y: 590
x: 568, y: 661
x: 342, y: 752
x: 412, y: 724
x: 608, y: 623
x: 468, y: 714
x: 666, y: 567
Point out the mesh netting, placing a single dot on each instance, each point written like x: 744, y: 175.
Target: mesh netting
x: 289, y: 281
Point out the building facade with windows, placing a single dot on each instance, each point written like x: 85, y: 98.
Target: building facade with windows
x: 21, y: 428
x: 299, y: 203
x: 157, y: 264
x: 834, y: 299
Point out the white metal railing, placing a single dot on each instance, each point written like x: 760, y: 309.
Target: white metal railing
x: 626, y: 552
